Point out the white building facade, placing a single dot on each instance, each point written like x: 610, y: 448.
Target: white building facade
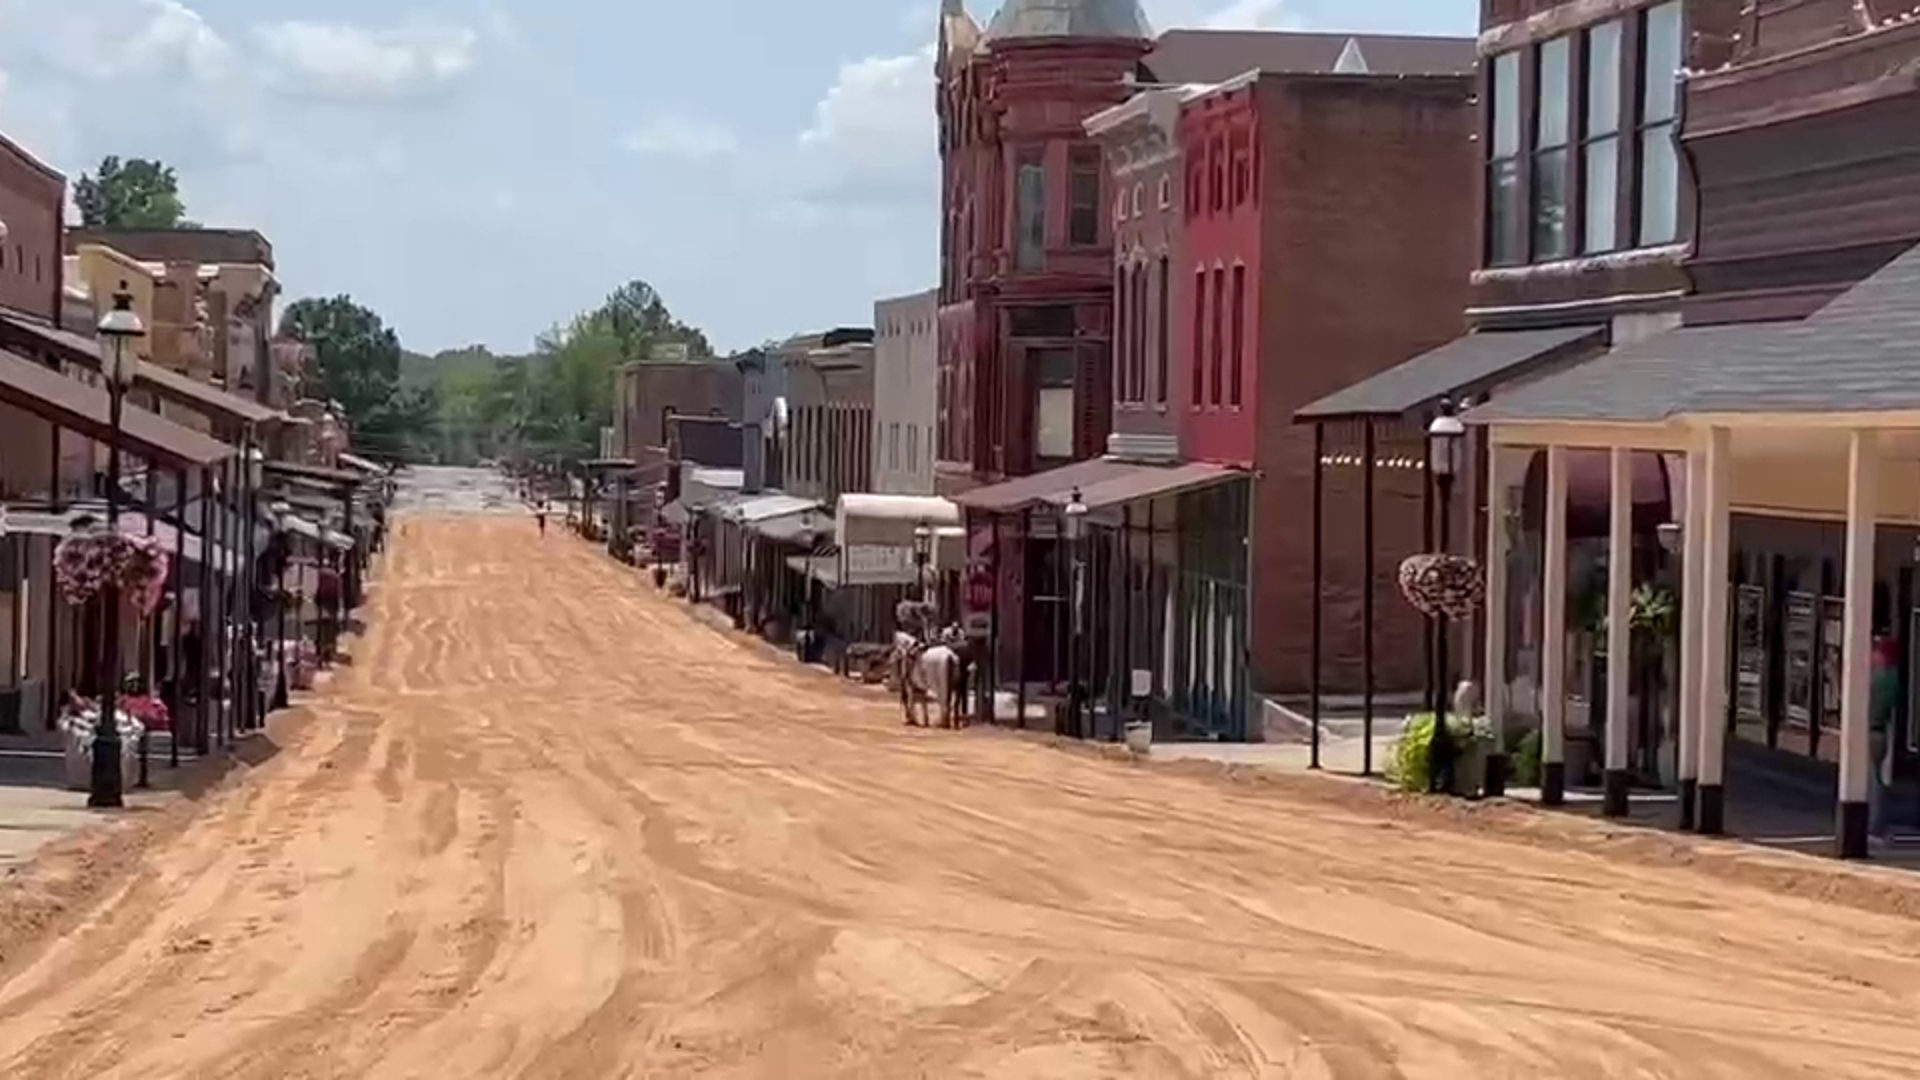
x: 905, y: 393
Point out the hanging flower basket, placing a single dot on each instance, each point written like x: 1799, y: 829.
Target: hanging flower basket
x: 83, y: 563
x: 1443, y: 586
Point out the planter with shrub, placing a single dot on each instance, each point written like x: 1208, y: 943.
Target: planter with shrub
x: 1472, y: 741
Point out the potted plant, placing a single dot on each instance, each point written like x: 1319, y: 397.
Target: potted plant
x: 1472, y: 738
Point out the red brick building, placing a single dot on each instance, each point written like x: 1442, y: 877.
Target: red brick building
x: 1330, y: 162
x: 1329, y: 234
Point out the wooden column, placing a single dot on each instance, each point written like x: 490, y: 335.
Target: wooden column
x: 1553, y: 635
x: 1711, y: 812
x: 1619, y: 776
x: 1856, y: 720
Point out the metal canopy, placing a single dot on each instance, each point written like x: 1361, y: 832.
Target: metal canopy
x: 73, y: 404
x: 1022, y: 493
x: 163, y: 382
x: 1149, y: 482
x: 1857, y: 354
x: 1464, y: 365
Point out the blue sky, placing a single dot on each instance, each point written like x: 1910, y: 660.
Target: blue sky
x: 478, y: 170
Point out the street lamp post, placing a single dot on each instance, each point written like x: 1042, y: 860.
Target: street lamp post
x: 1444, y: 437
x: 922, y: 553
x: 1076, y: 524
x: 119, y: 325
x: 281, y: 511
x: 250, y: 675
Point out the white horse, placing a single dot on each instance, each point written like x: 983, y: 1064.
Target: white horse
x: 925, y: 672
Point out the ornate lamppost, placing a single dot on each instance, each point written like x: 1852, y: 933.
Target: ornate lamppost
x: 1444, y: 438
x: 119, y: 325
x: 1076, y: 527
x: 922, y: 554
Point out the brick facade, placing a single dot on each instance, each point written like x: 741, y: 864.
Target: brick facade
x: 32, y: 200
x: 1353, y: 264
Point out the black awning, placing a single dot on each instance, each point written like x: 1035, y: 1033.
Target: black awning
x: 1465, y: 365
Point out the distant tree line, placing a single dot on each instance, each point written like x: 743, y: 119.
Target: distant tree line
x: 548, y: 405
x: 460, y: 406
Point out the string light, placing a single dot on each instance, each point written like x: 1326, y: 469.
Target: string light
x: 1350, y: 461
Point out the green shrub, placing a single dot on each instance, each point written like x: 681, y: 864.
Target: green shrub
x: 1407, y: 761
x: 1525, y: 764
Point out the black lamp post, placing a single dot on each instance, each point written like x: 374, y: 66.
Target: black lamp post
x: 922, y: 554
x: 281, y: 511
x: 1444, y: 438
x: 119, y: 325
x: 1076, y: 527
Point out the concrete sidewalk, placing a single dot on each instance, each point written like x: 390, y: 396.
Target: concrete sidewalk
x: 36, y: 808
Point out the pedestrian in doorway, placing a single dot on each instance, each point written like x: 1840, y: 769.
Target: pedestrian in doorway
x: 1883, y: 698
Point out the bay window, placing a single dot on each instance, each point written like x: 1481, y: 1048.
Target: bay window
x: 1083, y: 196
x: 1030, y: 210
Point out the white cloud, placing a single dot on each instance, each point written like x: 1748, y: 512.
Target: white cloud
x: 873, y: 136
x: 105, y: 40
x: 873, y: 139
x: 674, y: 134
x: 1252, y: 15
x: 349, y: 63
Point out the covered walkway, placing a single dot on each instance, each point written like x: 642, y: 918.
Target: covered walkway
x: 1814, y: 421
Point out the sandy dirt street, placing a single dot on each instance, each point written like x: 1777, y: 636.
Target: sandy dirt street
x: 549, y: 825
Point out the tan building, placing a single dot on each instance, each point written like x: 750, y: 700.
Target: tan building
x: 235, y: 269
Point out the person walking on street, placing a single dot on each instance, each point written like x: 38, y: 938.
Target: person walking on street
x: 1883, y: 697
x: 540, y: 515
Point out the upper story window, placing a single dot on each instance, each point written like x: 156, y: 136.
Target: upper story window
x: 1030, y: 210
x: 1199, y: 336
x: 1083, y: 196
x: 1217, y: 163
x: 1503, y: 166
x: 1659, y: 123
x: 1600, y: 153
x: 1591, y: 140
x: 1166, y: 192
x: 1553, y: 130
x: 1161, y: 326
x: 1236, y: 374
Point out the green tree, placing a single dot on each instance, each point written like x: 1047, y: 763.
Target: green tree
x: 132, y: 194
x: 356, y: 361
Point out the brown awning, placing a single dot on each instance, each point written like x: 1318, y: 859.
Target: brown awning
x: 194, y: 394
x: 318, y: 473
x: 161, y: 381
x: 73, y: 404
x: 1149, y: 482
x: 1024, y: 492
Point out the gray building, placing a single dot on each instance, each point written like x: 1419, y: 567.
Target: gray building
x: 830, y: 400
x: 906, y: 392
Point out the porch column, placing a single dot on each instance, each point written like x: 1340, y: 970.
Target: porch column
x: 1693, y: 583
x: 1499, y: 481
x: 1856, y: 755
x: 1619, y: 777
x: 1553, y: 635
x: 1711, y: 818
